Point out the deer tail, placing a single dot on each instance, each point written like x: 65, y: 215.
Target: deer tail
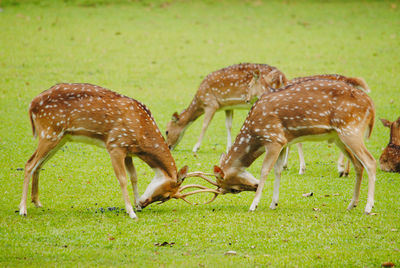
x: 359, y: 83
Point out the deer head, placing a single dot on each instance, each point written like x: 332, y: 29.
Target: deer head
x: 175, y: 131
x: 162, y: 189
x: 394, y: 130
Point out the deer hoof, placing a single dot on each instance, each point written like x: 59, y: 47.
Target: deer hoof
x: 273, y: 205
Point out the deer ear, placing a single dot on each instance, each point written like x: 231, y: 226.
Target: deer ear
x: 218, y: 172
x: 182, y: 173
x: 175, y: 117
x: 385, y: 122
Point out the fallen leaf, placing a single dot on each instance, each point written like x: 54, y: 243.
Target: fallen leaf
x: 316, y: 209
x: 387, y: 264
x: 230, y: 253
x: 308, y: 194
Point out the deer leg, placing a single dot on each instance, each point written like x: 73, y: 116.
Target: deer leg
x: 117, y: 158
x: 45, y: 150
x: 347, y: 168
x: 133, y: 176
x: 272, y: 153
x: 302, y: 168
x: 343, y: 166
x: 208, y: 115
x: 359, y: 171
x: 340, y: 164
x: 228, y: 124
x: 286, y: 160
x: 363, y: 159
x: 278, y: 167
x: 35, y: 188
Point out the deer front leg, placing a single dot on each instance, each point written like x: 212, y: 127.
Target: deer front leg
x: 117, y: 159
x: 208, y: 115
x: 302, y: 168
x: 133, y: 176
x: 228, y: 123
x: 272, y: 153
x: 286, y: 160
x: 340, y: 164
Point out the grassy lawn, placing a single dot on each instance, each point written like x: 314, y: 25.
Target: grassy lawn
x: 158, y: 53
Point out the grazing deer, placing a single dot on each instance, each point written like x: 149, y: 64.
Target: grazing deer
x: 314, y: 110
x: 225, y: 89
x: 390, y: 158
x: 260, y: 85
x: 124, y: 126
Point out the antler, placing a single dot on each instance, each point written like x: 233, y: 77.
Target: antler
x: 202, y: 189
x: 203, y: 176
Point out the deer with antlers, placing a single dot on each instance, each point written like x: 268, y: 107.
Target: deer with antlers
x: 260, y: 85
x: 390, y: 158
x: 311, y: 110
x: 125, y: 127
x: 225, y: 89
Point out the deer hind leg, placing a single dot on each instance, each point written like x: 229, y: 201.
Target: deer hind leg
x: 272, y: 153
x: 133, y: 176
x: 228, y: 124
x: 208, y: 115
x: 278, y: 167
x: 45, y: 150
x: 117, y: 159
x: 302, y: 167
x: 361, y: 158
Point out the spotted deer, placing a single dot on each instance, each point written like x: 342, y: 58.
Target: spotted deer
x: 225, y: 89
x: 260, y: 85
x: 312, y: 110
x: 124, y: 126
x: 390, y: 158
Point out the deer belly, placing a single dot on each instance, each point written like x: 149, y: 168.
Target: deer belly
x: 235, y: 106
x: 87, y: 140
x: 329, y: 136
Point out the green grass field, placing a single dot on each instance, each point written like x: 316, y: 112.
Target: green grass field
x: 158, y: 53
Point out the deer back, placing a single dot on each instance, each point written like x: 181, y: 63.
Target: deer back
x: 229, y: 86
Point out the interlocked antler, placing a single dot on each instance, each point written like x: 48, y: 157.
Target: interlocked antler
x: 203, y: 189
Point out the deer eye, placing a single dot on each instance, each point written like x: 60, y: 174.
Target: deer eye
x: 166, y: 132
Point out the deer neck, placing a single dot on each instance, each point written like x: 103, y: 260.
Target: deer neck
x: 190, y: 114
x: 242, y: 154
x: 160, y: 159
